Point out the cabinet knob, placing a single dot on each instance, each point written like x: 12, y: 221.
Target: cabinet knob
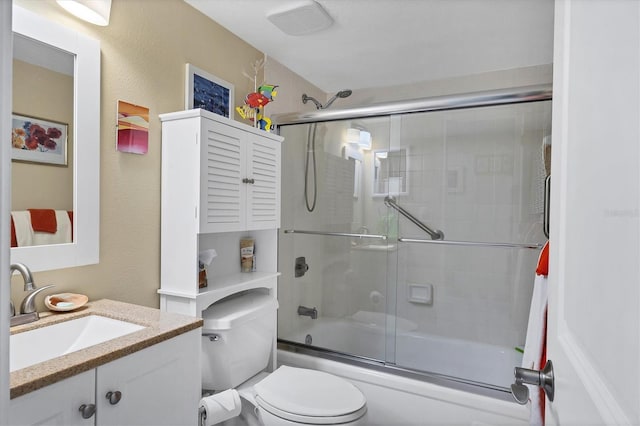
x: 114, y: 397
x: 87, y: 410
x: 247, y: 180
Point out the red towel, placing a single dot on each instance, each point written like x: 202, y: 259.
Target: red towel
x: 14, y: 240
x: 543, y: 269
x: 543, y: 261
x: 70, y: 214
x: 43, y: 220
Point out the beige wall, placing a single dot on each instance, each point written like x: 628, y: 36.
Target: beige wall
x: 290, y: 89
x: 42, y: 93
x: 144, y: 51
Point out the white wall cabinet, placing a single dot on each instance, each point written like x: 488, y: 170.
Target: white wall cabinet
x: 220, y: 183
x: 240, y: 179
x: 155, y: 385
x: 222, y: 173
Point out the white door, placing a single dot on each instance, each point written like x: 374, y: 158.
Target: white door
x: 594, y: 277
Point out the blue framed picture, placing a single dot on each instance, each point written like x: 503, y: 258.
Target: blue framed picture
x: 206, y: 91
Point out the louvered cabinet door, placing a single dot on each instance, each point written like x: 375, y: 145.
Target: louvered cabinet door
x: 223, y: 168
x: 263, y: 183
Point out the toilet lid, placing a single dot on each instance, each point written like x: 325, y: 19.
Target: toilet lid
x: 299, y: 394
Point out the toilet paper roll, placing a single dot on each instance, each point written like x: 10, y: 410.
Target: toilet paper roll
x: 221, y: 406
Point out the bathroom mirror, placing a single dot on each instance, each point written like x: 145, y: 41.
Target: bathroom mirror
x: 43, y: 99
x: 390, y: 172
x: 84, y: 151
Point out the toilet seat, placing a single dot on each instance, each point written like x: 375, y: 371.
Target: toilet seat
x: 309, y: 396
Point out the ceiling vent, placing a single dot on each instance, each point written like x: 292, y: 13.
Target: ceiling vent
x: 301, y: 18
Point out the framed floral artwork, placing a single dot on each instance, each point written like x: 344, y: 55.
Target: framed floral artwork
x: 37, y: 140
x: 206, y: 91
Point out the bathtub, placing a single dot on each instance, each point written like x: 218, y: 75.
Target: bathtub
x: 395, y: 400
x: 363, y: 334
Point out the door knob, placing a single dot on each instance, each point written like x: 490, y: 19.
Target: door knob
x: 114, y: 397
x: 543, y: 378
x: 87, y: 410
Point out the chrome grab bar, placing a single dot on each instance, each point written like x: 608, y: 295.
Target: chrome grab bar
x: 470, y: 243
x: 435, y: 235
x: 335, y: 234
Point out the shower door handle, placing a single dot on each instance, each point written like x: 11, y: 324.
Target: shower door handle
x: 543, y: 378
x: 547, y: 199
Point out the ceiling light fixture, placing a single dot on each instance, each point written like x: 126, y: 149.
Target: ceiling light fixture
x: 94, y: 11
x: 301, y: 18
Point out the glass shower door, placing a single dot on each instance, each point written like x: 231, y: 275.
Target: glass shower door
x: 336, y: 298
x: 479, y: 177
x: 364, y: 278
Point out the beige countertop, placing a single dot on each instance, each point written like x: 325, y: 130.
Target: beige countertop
x: 159, y: 325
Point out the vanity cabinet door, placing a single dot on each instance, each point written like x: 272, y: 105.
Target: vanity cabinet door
x: 57, y: 404
x: 159, y: 385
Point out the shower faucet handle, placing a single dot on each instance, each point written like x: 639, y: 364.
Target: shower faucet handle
x: 300, y: 267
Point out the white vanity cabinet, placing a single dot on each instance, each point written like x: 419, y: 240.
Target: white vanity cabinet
x: 154, y: 386
x: 220, y: 183
x: 57, y: 404
x: 158, y: 385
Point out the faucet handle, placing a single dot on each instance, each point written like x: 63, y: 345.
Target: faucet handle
x: 28, y: 304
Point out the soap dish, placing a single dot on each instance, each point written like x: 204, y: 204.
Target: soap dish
x: 65, y: 301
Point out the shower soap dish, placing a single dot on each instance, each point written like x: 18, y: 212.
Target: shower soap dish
x: 64, y: 302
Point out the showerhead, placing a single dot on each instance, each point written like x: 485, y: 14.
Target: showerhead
x: 341, y: 94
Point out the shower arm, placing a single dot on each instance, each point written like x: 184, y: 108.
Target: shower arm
x: 435, y: 235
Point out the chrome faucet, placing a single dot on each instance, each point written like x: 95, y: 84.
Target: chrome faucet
x: 28, y: 311
x: 308, y: 312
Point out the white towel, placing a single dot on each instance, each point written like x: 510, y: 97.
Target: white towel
x: 25, y: 236
x: 535, y: 345
x: 24, y: 231
x: 62, y: 235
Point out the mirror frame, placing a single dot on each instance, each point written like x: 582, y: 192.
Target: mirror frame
x: 85, y: 248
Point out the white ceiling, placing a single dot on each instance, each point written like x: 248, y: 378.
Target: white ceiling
x: 375, y: 43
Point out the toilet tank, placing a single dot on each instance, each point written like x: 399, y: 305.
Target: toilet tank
x: 238, y: 335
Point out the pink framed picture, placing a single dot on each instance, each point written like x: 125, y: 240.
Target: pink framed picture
x: 133, y: 128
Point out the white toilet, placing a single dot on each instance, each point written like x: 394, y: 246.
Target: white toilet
x: 238, y: 337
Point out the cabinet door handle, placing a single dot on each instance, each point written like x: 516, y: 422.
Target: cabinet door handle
x: 114, y: 397
x: 247, y: 180
x: 87, y: 410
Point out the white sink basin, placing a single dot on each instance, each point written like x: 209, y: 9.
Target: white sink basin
x: 45, y: 343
